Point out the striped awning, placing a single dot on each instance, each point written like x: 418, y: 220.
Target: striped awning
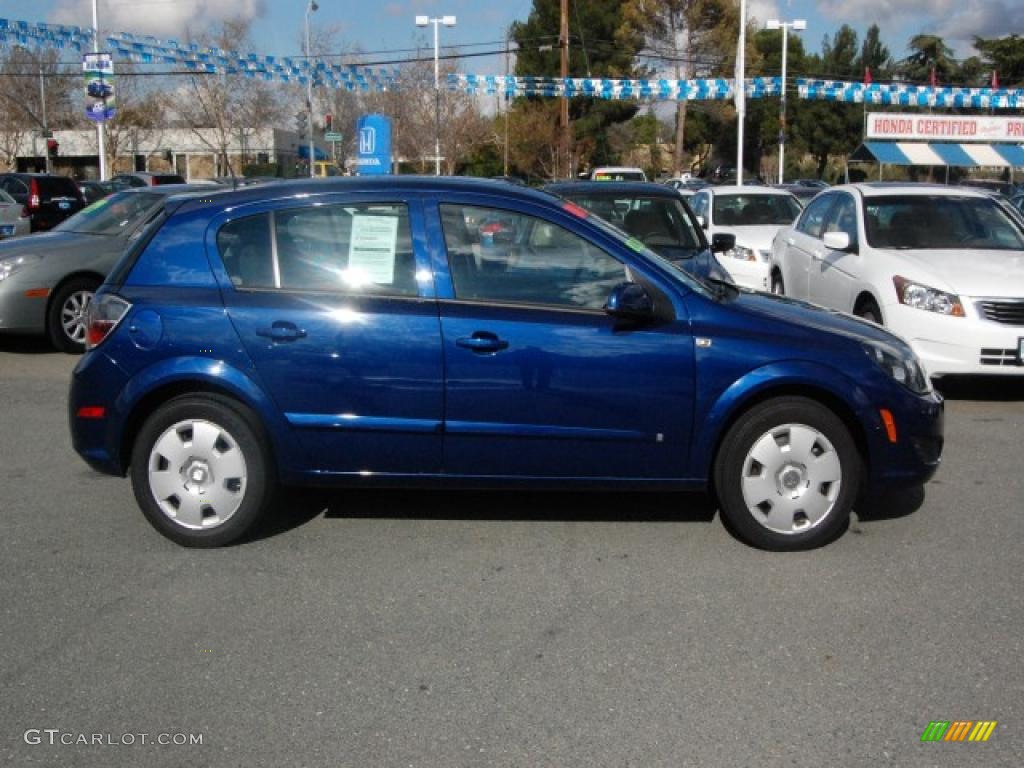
x: 940, y: 153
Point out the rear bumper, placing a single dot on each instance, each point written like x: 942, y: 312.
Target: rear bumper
x: 95, y: 383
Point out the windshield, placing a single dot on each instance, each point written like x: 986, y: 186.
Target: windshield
x: 693, y: 282
x: 660, y: 223
x: 929, y: 222
x: 120, y: 212
x: 755, y: 210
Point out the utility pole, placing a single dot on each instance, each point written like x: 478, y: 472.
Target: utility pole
x: 563, y: 43
x: 100, y: 136
x: 505, y: 163
x: 42, y: 110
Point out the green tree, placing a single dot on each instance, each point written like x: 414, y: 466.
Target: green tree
x: 928, y: 52
x: 596, y: 50
x: 874, y: 55
x: 685, y: 34
x: 1005, y: 55
x: 826, y: 128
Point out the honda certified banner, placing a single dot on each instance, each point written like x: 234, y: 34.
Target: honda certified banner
x: 889, y: 125
x: 99, y: 86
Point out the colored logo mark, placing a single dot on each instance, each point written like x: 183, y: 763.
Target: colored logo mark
x: 959, y: 730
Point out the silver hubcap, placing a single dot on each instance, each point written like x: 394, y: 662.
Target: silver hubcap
x: 791, y: 478
x: 197, y: 474
x: 72, y: 315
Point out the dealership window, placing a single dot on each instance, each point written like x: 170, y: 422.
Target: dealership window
x: 364, y: 248
x: 510, y: 257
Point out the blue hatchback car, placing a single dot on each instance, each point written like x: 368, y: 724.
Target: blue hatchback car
x: 365, y: 331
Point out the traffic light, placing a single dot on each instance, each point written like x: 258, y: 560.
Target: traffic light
x: 300, y: 123
x: 52, y: 147
x: 328, y: 123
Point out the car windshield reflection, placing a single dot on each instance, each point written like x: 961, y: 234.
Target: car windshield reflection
x: 940, y: 222
x: 112, y: 215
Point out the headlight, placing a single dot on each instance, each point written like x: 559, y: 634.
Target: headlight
x: 929, y: 299
x: 11, y: 265
x: 901, y: 363
x: 741, y: 253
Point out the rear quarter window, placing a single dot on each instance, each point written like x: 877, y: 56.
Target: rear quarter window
x: 50, y: 187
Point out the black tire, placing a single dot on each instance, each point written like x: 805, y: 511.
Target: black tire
x: 229, y: 502
x: 65, y: 317
x: 802, y: 507
x: 778, y: 284
x: 868, y: 310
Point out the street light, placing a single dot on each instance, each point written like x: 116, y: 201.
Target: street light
x: 797, y: 25
x: 448, y: 21
x: 310, y: 8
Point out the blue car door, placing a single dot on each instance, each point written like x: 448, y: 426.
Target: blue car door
x: 539, y: 380
x: 329, y: 300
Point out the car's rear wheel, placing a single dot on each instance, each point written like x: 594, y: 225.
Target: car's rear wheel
x: 778, y: 285
x: 66, y: 322
x: 200, y: 472
x: 787, y: 474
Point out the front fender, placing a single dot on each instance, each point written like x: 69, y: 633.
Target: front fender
x: 796, y: 377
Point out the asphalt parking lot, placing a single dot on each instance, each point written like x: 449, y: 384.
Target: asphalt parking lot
x: 494, y: 629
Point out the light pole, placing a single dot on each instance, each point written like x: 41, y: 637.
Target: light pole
x: 448, y: 21
x: 310, y: 8
x: 797, y: 25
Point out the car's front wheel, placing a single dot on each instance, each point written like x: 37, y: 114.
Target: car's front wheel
x: 787, y: 474
x: 200, y: 473
x: 66, y: 322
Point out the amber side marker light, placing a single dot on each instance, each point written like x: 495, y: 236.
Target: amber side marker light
x: 37, y: 293
x: 889, y: 422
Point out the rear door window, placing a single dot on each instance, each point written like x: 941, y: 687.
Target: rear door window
x: 364, y: 248
x: 57, y: 186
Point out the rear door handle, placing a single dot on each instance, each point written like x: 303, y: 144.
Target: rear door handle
x: 282, y: 330
x: 482, y: 341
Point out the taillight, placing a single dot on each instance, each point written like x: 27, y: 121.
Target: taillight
x: 104, y: 313
x: 33, y: 194
x: 25, y: 212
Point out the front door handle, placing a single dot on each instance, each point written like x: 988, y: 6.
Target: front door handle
x: 282, y: 330
x: 817, y: 255
x: 482, y: 341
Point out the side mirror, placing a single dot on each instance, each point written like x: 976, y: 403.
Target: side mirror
x: 837, y: 241
x: 630, y: 300
x: 722, y: 242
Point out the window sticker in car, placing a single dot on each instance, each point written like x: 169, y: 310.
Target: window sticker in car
x: 371, y: 251
x: 636, y: 245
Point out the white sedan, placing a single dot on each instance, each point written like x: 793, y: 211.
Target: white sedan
x: 942, y: 267
x: 753, y: 214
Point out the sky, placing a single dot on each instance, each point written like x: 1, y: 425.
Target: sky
x: 386, y: 28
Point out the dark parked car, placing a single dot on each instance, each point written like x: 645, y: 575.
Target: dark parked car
x: 47, y: 280
x: 802, y: 192
x: 93, y: 190
x: 358, y: 332
x: 653, y: 213
x: 145, y: 179
x: 48, y: 198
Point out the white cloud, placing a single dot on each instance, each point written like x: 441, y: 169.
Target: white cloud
x: 178, y: 19
x: 984, y: 18
x: 762, y: 10
x: 954, y: 20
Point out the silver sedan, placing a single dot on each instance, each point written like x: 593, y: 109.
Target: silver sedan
x: 47, y: 280
x: 13, y: 219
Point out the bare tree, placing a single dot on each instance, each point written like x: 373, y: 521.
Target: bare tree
x: 225, y: 109
x: 140, y: 114
x: 35, y: 96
